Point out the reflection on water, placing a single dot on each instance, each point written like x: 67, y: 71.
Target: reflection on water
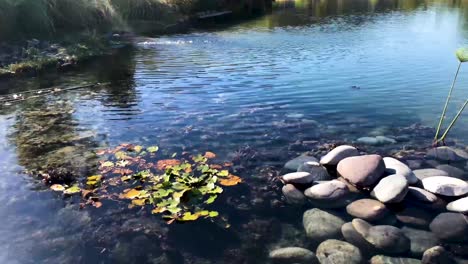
x: 311, y: 74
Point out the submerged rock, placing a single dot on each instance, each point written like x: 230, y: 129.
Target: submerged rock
x: 367, y: 209
x: 378, y: 140
x: 460, y: 206
x: 339, y: 153
x: 294, y: 164
x: 416, y: 217
x: 426, y: 173
x: 362, y: 171
x: 293, y: 195
x: 352, y: 236
x: 391, y: 189
x: 320, y: 225
x: 290, y: 255
x: 394, y: 166
x: 335, y: 251
x: 420, y: 240
x: 380, y: 259
x: 331, y: 194
x: 318, y: 172
x: 444, y: 185
x: 447, y: 154
x: 436, y: 255
x: 421, y: 195
x: 452, y: 171
x: 298, y: 177
x: 451, y: 227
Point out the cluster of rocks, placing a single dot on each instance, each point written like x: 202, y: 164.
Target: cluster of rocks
x: 368, y: 207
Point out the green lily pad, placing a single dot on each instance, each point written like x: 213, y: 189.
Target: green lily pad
x: 152, y: 149
x: 72, y: 190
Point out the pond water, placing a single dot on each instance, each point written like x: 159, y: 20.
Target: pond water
x: 257, y: 94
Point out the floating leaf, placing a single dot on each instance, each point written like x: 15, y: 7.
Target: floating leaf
x: 107, y: 164
x: 122, y: 171
x: 122, y: 163
x: 230, y: 181
x: 223, y: 173
x: 57, y: 188
x: 213, y: 214
x: 126, y: 178
x: 132, y: 194
x: 188, y: 217
x: 158, y: 210
x: 152, y: 149
x: 72, y: 190
x: 163, y: 164
x: 211, y: 199
x: 97, y: 204
x: 95, y: 178
x: 137, y: 148
x: 462, y: 54
x: 210, y: 155
x: 120, y: 155
x: 139, y: 202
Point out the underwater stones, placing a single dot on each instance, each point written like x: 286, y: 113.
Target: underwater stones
x: 380, y: 259
x: 294, y: 164
x: 320, y: 225
x: 352, y: 236
x: 391, y: 189
x: 450, y: 227
x: 444, y: 185
x: 386, y: 239
x: 436, y: 255
x: 334, y: 251
x: 378, y: 140
x: 318, y: 172
x: 329, y: 194
x: 291, y: 255
x: 394, y: 166
x: 460, y: 206
x: 416, y: 217
x: 447, y: 154
x: 420, y: 240
x: 426, y: 173
x: 339, y: 153
x: 367, y: 209
x: 362, y: 171
x: 293, y: 195
x: 421, y: 195
x: 298, y: 177
x: 452, y: 171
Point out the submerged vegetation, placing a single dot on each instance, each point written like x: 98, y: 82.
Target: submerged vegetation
x: 462, y: 55
x: 179, y: 189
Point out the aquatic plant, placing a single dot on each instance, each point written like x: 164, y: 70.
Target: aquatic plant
x: 462, y: 55
x: 179, y: 189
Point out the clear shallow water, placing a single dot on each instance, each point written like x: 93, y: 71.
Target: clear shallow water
x: 258, y: 93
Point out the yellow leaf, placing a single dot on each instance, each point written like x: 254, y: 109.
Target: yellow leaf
x: 139, y: 202
x: 132, y: 194
x: 158, y: 210
x: 138, y: 148
x: 230, y: 181
x: 57, y: 188
x: 95, y: 178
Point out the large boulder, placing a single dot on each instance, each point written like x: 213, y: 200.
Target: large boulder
x: 290, y: 255
x: 294, y: 164
x: 367, y: 209
x: 293, y: 195
x: 444, y: 185
x: 420, y: 240
x: 335, y: 251
x: 320, y: 225
x: 331, y: 194
x: 394, y: 166
x: 362, y: 171
x: 391, y: 189
x: 339, y: 153
x: 318, y: 172
x: 450, y: 227
x: 460, y: 206
x: 447, y: 154
x: 298, y: 178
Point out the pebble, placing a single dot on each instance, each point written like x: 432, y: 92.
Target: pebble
x: 336, y: 251
x: 290, y: 255
x: 362, y: 171
x: 394, y: 166
x: 451, y: 227
x: 447, y: 154
x: 298, y: 177
x: 444, y: 185
x: 321, y: 225
x: 391, y: 189
x: 460, y: 206
x: 293, y: 195
x: 367, y: 209
x: 339, y: 153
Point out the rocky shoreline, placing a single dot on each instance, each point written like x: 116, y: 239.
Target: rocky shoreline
x: 368, y: 208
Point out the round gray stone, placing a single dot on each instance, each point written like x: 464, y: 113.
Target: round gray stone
x: 420, y: 240
x: 452, y: 171
x: 290, y: 255
x: 335, y: 251
x: 460, y: 206
x: 451, y: 227
x: 447, y: 154
x: 380, y: 259
x: 318, y: 172
x: 298, y: 178
x: 415, y: 217
x: 391, y: 189
x: 293, y: 195
x: 426, y: 173
x: 362, y: 171
x: 339, y: 153
x: 320, y: 225
x: 444, y: 185
x: 437, y: 255
x: 331, y: 194
x: 367, y: 209
x: 294, y: 164
x: 394, y: 166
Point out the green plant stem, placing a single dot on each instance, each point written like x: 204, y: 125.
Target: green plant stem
x: 446, y: 103
x: 453, y: 122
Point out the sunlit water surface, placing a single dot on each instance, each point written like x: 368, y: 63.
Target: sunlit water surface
x: 319, y: 72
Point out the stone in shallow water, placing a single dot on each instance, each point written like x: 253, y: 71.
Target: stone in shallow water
x: 460, y: 206
x: 391, y: 189
x: 298, y: 177
x: 445, y: 185
x: 352, y: 236
x: 414, y: 164
x: 336, y: 251
x: 420, y: 240
x: 367, y: 209
x: 331, y: 194
x: 437, y: 255
x: 318, y: 172
x: 447, y: 154
x: 380, y: 259
x: 415, y: 217
x: 320, y: 225
x: 290, y: 255
x: 421, y: 195
x: 368, y: 141
x: 452, y: 171
x: 362, y: 171
x: 394, y: 166
x: 451, y: 227
x: 339, y: 153
x: 294, y: 164
x: 426, y: 173
x: 293, y: 195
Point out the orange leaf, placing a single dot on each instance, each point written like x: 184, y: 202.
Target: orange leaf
x: 227, y: 164
x: 230, y: 181
x: 122, y: 171
x: 163, y: 164
x: 97, y: 204
x: 216, y: 166
x: 210, y: 155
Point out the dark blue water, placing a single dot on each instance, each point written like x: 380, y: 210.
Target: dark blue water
x: 258, y: 93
